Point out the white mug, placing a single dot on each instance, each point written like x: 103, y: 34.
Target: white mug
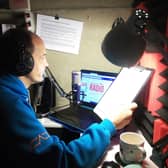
x: 131, y: 148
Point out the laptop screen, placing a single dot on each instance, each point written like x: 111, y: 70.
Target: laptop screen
x: 93, y: 85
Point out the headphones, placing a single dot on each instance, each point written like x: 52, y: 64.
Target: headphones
x: 25, y: 62
x: 17, y: 50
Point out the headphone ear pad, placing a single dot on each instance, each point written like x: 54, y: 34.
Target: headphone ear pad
x: 25, y: 66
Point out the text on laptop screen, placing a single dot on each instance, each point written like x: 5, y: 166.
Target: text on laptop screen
x: 94, y: 84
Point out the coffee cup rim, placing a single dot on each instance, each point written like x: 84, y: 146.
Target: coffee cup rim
x: 132, y: 133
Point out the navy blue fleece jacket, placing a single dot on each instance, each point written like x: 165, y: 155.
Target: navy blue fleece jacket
x: 25, y: 142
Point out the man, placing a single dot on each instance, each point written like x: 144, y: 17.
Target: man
x: 24, y: 141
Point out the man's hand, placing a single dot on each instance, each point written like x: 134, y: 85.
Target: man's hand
x: 124, y: 117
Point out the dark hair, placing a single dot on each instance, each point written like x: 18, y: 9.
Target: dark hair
x: 14, y: 44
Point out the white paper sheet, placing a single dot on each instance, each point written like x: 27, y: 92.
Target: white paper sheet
x: 60, y: 34
x: 122, y: 91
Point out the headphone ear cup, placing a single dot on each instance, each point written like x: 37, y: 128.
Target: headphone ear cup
x: 25, y: 65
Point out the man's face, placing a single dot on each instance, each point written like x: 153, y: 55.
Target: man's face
x: 40, y: 61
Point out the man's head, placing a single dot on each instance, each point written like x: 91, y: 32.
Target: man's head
x: 23, y: 54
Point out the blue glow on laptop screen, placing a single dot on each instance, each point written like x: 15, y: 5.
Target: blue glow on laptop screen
x: 94, y: 84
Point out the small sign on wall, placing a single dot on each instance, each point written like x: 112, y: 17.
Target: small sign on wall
x: 60, y: 34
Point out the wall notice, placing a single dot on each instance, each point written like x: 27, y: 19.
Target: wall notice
x: 60, y: 34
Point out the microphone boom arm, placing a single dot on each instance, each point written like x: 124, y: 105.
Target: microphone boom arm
x: 56, y: 84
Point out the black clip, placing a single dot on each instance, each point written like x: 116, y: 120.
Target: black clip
x: 56, y: 17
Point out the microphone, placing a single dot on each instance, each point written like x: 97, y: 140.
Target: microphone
x: 76, y: 79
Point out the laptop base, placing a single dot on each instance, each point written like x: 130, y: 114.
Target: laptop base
x: 75, y: 118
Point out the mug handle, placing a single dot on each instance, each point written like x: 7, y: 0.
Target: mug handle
x: 143, y: 153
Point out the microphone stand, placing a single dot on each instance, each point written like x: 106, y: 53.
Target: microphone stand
x: 57, y: 86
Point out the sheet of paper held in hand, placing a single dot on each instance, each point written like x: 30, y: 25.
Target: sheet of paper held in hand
x: 122, y: 91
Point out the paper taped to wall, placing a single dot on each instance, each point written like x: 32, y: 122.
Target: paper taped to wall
x: 60, y: 34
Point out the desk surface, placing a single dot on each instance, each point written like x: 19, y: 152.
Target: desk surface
x: 114, y: 148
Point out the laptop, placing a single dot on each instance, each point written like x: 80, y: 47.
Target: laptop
x: 93, y: 85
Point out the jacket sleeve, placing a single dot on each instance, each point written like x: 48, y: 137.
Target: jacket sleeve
x: 32, y: 137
